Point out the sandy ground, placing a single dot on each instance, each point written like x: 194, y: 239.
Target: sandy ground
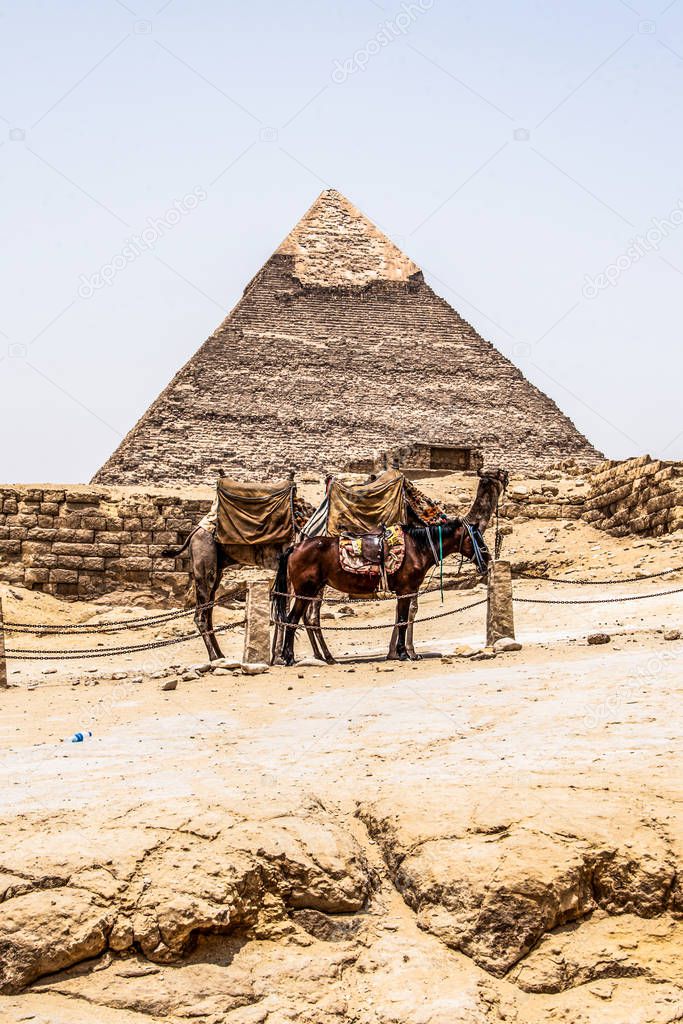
x: 554, y: 733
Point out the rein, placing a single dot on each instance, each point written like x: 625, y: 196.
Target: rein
x: 478, y: 545
x: 438, y: 559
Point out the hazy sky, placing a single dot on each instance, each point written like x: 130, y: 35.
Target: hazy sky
x: 527, y: 155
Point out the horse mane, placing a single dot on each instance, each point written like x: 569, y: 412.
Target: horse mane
x: 421, y: 533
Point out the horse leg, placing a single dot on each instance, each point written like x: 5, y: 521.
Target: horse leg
x: 311, y: 620
x: 312, y: 633
x: 278, y: 642
x: 409, y: 631
x: 276, y: 647
x: 392, y: 655
x: 206, y: 575
x: 402, y: 613
x: 298, y: 609
x: 320, y: 648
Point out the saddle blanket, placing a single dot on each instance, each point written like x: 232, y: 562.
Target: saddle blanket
x: 352, y: 559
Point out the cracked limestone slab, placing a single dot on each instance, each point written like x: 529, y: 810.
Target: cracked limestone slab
x: 491, y: 878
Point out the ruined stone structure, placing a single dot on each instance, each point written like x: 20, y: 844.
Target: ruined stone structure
x: 339, y: 354
x: 641, y: 495
x: 81, y: 542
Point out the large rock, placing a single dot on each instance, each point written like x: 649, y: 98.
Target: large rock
x: 604, y: 947
x: 163, y: 886
x: 487, y: 878
x: 46, y: 930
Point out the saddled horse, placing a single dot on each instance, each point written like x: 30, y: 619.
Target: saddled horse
x: 314, y: 563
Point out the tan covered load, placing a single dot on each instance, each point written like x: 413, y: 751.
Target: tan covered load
x: 252, y: 513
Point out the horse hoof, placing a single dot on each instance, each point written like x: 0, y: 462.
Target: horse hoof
x: 403, y: 656
x: 331, y: 661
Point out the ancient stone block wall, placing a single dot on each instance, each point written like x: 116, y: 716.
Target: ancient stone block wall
x: 79, y: 543
x: 642, y: 495
x: 543, y: 503
x: 409, y: 457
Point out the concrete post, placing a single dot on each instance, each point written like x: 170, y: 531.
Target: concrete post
x: 3, y: 663
x: 257, y: 626
x: 499, y: 616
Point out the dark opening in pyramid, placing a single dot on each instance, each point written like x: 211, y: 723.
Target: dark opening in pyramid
x: 337, y: 353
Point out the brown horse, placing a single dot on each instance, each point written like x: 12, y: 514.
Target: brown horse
x: 314, y: 563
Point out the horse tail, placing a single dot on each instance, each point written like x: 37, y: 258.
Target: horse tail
x: 279, y: 599
x: 174, y: 552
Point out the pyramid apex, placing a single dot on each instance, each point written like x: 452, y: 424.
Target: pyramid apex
x: 335, y: 245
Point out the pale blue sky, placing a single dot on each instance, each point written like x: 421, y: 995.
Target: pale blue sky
x: 513, y: 150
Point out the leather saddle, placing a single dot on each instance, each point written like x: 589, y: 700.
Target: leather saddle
x: 372, y: 546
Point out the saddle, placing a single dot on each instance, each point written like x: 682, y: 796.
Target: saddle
x: 372, y: 547
x: 378, y: 553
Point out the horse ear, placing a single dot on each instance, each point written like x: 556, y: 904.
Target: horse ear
x: 479, y: 473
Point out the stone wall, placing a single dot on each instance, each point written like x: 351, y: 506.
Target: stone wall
x: 543, y: 502
x: 417, y: 456
x: 81, y: 542
x: 639, y: 496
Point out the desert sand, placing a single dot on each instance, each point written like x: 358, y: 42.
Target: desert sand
x: 475, y: 839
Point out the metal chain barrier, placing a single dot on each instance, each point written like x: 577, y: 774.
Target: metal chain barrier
x: 602, y: 583
x: 596, y: 600
x: 158, y: 619
x: 381, y: 625
x: 32, y: 654
x: 162, y: 618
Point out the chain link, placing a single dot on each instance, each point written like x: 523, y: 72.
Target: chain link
x: 375, y: 596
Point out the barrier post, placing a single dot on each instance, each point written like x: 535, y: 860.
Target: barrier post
x: 257, y: 625
x: 3, y: 662
x: 499, y: 615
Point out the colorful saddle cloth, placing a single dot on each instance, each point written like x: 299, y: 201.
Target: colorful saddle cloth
x: 361, y: 554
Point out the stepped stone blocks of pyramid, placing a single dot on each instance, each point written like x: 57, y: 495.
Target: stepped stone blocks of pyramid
x: 338, y: 351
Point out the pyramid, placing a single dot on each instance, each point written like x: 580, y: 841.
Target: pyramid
x: 337, y: 355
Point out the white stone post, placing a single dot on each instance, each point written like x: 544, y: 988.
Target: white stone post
x: 257, y: 625
x: 499, y: 615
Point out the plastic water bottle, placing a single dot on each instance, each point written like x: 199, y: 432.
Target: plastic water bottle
x: 78, y: 737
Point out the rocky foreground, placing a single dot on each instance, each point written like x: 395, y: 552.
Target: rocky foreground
x: 455, y: 840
